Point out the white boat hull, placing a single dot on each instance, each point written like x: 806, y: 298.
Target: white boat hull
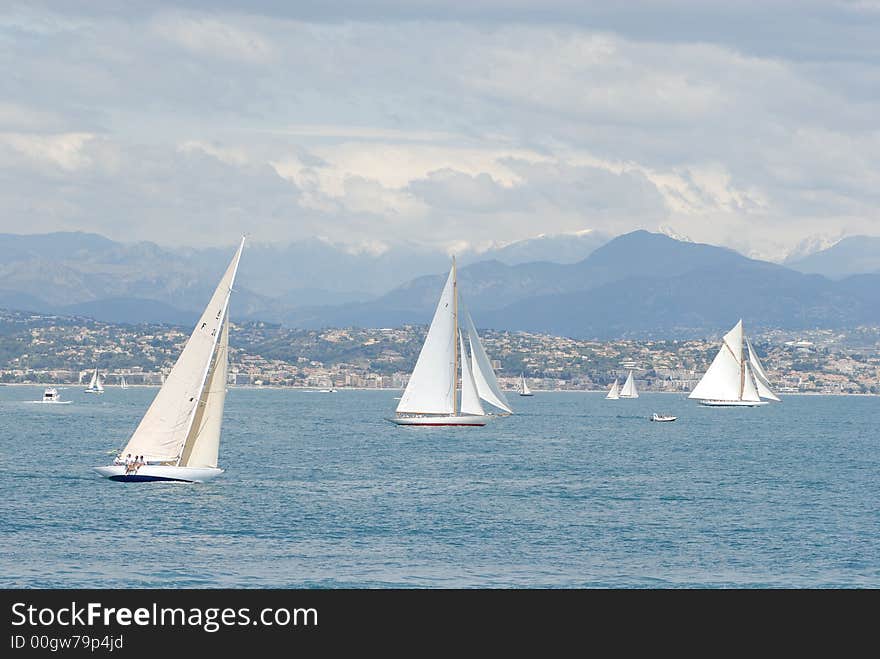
x: 732, y: 403
x: 149, y: 473
x: 472, y: 420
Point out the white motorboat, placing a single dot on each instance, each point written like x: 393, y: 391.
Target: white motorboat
x: 662, y: 417
x: 50, y: 395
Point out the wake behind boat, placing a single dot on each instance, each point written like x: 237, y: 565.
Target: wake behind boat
x: 431, y: 396
x: 178, y: 439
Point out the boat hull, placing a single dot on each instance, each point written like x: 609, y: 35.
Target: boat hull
x: 732, y: 403
x: 152, y: 473
x: 467, y: 420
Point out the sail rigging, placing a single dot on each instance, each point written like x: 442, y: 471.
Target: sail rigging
x: 629, y: 387
x: 163, y: 433
x: 451, y: 344
x: 614, y: 392
x: 733, y: 379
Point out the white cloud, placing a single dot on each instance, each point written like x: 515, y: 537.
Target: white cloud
x: 489, y: 126
x: 208, y: 35
x: 64, y: 150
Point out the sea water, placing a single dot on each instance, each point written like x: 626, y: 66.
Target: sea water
x: 573, y: 490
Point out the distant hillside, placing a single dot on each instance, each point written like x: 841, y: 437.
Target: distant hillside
x: 854, y: 255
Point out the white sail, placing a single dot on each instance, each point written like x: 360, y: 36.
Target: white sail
x: 749, y: 391
x: 470, y: 399
x: 629, y: 387
x: 162, y: 433
x: 614, y: 394
x: 484, y: 375
x: 98, y: 385
x: 122, y: 383
x: 430, y: 389
x: 761, y: 379
x: 722, y: 381
x: 203, y: 444
x: 524, y: 387
x: 94, y: 380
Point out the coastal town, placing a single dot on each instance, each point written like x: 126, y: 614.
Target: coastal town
x: 46, y: 349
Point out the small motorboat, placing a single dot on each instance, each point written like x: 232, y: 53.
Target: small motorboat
x: 50, y: 395
x: 662, y: 417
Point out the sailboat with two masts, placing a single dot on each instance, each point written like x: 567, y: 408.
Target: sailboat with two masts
x: 629, y: 387
x: 733, y: 380
x: 178, y: 439
x: 431, y: 397
x: 95, y: 384
x: 524, y: 386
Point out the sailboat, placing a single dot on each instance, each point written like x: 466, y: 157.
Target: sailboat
x: 431, y: 395
x: 733, y: 380
x: 629, y: 387
x: 122, y: 383
x: 178, y: 438
x: 614, y: 393
x: 95, y: 384
x: 524, y: 387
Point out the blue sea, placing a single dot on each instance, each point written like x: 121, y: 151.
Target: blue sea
x: 572, y: 491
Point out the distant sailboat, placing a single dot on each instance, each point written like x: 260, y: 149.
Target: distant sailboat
x: 95, y: 384
x: 629, y: 387
x: 524, y: 387
x: 731, y: 380
x: 431, y: 395
x: 614, y: 394
x: 179, y: 436
x: 122, y: 383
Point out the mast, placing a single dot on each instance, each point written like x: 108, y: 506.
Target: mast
x: 216, y: 338
x: 455, y: 334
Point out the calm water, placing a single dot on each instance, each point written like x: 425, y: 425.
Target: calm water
x: 572, y: 491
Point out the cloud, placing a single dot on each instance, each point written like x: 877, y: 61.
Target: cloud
x: 752, y: 125
x: 214, y: 37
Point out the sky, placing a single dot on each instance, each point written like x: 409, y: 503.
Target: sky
x: 451, y: 123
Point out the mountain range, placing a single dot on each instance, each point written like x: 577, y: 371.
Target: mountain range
x: 640, y: 284
x: 854, y: 255
x: 87, y: 274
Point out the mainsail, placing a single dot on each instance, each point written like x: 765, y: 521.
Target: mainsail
x: 523, y: 385
x: 169, y: 428
x: 431, y: 387
x: 629, y: 387
x: 723, y: 379
x: 484, y: 375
